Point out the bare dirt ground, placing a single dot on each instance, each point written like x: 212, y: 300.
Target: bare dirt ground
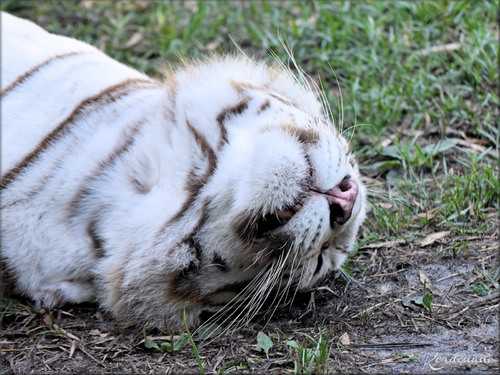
x: 371, y: 330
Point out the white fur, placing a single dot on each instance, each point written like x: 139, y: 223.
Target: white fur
x: 151, y: 178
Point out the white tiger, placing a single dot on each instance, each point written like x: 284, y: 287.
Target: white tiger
x: 213, y: 188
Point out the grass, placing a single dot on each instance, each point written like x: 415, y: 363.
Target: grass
x: 416, y: 84
x: 426, y: 68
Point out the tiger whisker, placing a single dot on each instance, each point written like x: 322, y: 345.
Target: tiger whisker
x: 242, y: 294
x: 264, y: 286
x: 285, y: 291
x: 246, y: 298
x: 250, y: 306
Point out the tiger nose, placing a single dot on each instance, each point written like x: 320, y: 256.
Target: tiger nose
x: 341, y: 200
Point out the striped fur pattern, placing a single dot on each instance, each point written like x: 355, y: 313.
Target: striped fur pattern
x: 199, y: 193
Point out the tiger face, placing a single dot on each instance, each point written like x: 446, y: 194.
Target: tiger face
x: 274, y: 189
x: 205, y: 192
x: 287, y: 215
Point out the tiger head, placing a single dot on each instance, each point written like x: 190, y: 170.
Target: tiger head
x: 275, y: 189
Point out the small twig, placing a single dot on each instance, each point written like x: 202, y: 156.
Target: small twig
x: 34, y: 329
x: 415, y: 325
x: 428, y: 318
x: 90, y: 355
x: 480, y: 301
x: 72, y: 349
x: 447, y: 277
x: 384, y: 244
x: 400, y: 321
x: 388, y: 273
x: 2, y: 350
x: 368, y: 310
x: 490, y: 248
x: 451, y: 317
x: 66, y: 333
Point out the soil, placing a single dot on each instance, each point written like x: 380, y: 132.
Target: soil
x: 372, y: 331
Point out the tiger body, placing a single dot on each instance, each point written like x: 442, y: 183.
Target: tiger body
x: 225, y: 180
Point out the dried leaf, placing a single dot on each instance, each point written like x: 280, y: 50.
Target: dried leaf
x: 344, y: 339
x: 428, y: 284
x: 98, y: 316
x: 213, y: 45
x: 47, y: 319
x: 87, y: 3
x: 428, y: 215
x: 423, y: 278
x: 427, y: 119
x: 386, y: 142
x: 440, y: 48
x: 134, y: 39
x: 72, y: 349
x: 384, y: 244
x: 433, y: 238
x: 473, y: 147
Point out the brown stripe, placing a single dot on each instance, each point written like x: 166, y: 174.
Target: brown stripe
x: 116, y: 299
x: 306, y: 136
x: 342, y: 250
x: 185, y: 284
x: 264, y: 106
x: 195, y: 182
x: 240, y: 87
x: 190, y: 239
x: 97, y: 241
x: 108, y: 95
x: 188, y: 202
x: 283, y: 100
x: 238, y: 109
x: 206, y: 149
x: 20, y: 79
x: 127, y: 140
